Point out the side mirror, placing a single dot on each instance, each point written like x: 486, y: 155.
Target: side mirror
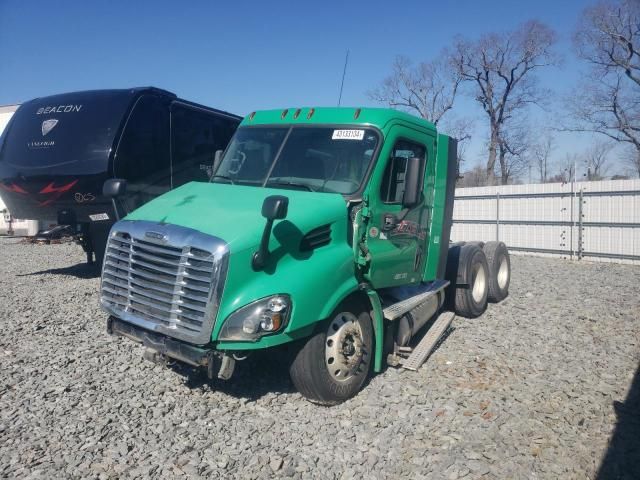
x: 217, y: 158
x: 274, y: 207
x: 412, y: 182
x: 114, y: 187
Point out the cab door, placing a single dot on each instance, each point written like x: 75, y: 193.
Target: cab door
x: 397, y: 236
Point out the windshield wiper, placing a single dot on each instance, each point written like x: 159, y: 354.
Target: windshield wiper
x: 291, y: 184
x: 225, y: 178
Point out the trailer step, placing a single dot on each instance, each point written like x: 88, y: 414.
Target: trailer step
x: 395, y: 311
x: 428, y: 342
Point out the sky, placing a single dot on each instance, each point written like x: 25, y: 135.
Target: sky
x: 248, y: 55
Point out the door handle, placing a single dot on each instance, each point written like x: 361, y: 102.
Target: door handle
x: 389, y: 222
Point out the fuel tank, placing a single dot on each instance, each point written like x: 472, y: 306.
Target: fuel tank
x: 411, y: 322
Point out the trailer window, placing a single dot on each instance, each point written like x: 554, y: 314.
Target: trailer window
x: 392, y: 189
x: 195, y: 136
x: 143, y: 153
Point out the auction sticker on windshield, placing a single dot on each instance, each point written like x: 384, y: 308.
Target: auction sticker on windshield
x: 348, y: 135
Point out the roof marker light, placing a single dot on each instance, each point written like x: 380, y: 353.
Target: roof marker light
x: 296, y: 114
x: 251, y: 115
x: 284, y: 113
x: 311, y: 112
x: 357, y: 114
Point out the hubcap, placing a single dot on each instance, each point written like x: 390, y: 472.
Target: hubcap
x: 478, y: 282
x: 344, y: 350
x: 503, y: 272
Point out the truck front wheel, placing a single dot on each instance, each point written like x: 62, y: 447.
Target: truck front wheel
x: 334, y: 363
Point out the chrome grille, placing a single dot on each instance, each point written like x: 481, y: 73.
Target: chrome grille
x: 168, y: 282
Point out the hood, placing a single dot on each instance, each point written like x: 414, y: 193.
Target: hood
x: 233, y: 212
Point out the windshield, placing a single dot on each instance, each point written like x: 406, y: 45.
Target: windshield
x: 322, y: 159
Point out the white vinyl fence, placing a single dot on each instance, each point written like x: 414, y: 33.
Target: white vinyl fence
x: 584, y: 220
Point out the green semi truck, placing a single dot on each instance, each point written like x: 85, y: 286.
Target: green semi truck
x: 323, y: 228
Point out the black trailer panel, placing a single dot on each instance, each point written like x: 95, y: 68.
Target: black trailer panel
x: 57, y: 152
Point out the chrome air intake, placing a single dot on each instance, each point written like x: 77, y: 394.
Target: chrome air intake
x: 164, y: 278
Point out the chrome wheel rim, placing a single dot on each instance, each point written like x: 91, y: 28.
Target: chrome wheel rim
x: 478, y: 282
x: 344, y: 349
x: 503, y: 272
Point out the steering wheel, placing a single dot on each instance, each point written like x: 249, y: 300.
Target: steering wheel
x: 239, y: 162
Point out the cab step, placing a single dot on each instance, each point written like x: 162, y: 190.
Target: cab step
x: 416, y: 298
x: 428, y: 342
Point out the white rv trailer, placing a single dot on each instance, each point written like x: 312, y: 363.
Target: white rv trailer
x: 9, y: 225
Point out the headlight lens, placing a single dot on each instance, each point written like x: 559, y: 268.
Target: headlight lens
x: 262, y: 317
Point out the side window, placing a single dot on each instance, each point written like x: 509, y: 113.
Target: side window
x: 392, y: 189
x: 143, y: 152
x: 195, y: 137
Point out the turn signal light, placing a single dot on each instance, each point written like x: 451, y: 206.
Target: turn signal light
x: 271, y: 321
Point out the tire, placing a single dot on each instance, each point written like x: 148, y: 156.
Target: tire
x: 321, y: 371
x: 499, y: 270
x: 470, y: 299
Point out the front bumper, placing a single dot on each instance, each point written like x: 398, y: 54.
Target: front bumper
x: 218, y: 364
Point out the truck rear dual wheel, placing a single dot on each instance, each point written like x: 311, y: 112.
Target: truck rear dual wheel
x: 470, y: 299
x: 333, y: 364
x: 499, y: 270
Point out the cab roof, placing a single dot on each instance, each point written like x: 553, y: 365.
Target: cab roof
x: 377, y: 117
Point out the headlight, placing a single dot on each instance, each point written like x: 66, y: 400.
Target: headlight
x: 262, y: 317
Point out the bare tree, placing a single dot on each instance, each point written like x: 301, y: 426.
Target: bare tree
x: 608, y: 106
x: 541, y: 155
x: 476, y: 177
x: 460, y: 129
x: 502, y: 69
x: 427, y: 89
x: 608, y: 100
x: 596, y: 159
x: 632, y: 159
x: 566, y: 169
x: 512, y: 149
x: 608, y: 37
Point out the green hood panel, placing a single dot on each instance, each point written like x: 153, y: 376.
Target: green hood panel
x: 316, y: 280
x: 233, y: 212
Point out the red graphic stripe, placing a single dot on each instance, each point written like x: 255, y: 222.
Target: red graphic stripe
x: 51, y: 189
x: 13, y: 188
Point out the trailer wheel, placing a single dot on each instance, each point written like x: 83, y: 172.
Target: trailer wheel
x: 499, y: 270
x: 471, y: 299
x: 334, y: 363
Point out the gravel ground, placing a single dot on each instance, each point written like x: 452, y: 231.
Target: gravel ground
x: 538, y: 387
